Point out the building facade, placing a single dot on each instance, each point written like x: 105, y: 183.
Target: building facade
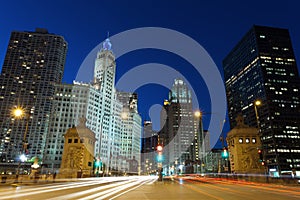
x: 262, y: 66
x: 78, y: 153
x: 117, y: 138
x: 70, y: 103
x: 243, y: 145
x: 34, y: 63
x: 178, y: 131
x: 148, y: 153
x: 131, y: 132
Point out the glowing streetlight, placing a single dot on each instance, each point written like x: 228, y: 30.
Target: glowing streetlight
x: 18, y: 112
x: 198, y: 114
x: 256, y: 104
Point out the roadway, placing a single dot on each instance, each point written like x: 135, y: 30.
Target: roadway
x: 147, y: 187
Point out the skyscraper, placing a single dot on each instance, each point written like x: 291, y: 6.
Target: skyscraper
x: 131, y: 131
x: 262, y: 67
x: 98, y: 103
x: 177, y: 131
x: 117, y: 139
x: 33, y: 64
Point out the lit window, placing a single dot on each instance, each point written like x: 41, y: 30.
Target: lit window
x: 247, y: 140
x: 262, y: 36
x: 241, y: 140
x: 253, y: 140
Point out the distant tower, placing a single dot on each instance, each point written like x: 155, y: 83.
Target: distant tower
x: 132, y: 128
x: 149, y: 143
x: 34, y: 62
x: 262, y: 66
x: 177, y: 134
x: 105, y: 68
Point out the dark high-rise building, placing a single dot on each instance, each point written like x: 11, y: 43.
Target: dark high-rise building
x: 33, y: 64
x: 262, y: 67
x: 148, y: 150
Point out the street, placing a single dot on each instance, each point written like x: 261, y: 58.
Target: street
x: 147, y: 187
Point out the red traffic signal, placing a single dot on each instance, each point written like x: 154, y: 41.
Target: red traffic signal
x: 259, y: 151
x: 159, y: 148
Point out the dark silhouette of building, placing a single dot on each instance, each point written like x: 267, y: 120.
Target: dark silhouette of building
x: 263, y: 66
x: 148, y: 149
x: 34, y: 62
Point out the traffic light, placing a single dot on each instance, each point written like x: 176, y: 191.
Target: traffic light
x: 263, y: 163
x: 159, y: 149
x: 224, y: 153
x: 260, y: 154
x: 98, y: 163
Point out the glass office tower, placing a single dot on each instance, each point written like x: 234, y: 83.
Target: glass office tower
x: 262, y: 67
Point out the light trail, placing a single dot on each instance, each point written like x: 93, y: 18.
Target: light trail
x: 148, y: 183
x: 43, y: 189
x: 54, y: 192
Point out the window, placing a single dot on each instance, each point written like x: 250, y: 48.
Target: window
x: 75, y: 140
x: 69, y: 140
x: 241, y: 140
x: 247, y: 140
x: 253, y: 140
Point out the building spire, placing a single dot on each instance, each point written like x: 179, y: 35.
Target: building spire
x: 106, y: 44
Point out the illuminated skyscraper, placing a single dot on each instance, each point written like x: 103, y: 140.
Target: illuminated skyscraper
x: 131, y: 131
x: 98, y: 103
x: 33, y: 64
x: 117, y: 139
x: 262, y: 66
x: 177, y: 121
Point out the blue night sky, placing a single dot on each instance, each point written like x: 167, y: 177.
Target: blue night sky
x: 216, y: 25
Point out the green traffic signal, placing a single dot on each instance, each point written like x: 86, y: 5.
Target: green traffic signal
x: 225, y: 154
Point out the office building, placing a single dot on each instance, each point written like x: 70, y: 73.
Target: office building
x: 262, y: 66
x: 117, y: 139
x: 178, y: 131
x: 130, y: 150
x: 148, y: 152
x: 34, y: 63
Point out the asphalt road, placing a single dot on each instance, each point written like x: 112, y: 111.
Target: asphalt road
x: 148, y: 188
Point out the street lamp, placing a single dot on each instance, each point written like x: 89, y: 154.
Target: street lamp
x: 257, y: 103
x: 198, y: 115
x: 19, y: 112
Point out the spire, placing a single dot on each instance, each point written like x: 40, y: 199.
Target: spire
x: 106, y: 44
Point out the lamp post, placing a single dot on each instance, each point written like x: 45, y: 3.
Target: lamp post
x: 198, y: 115
x: 19, y: 112
x: 256, y: 104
